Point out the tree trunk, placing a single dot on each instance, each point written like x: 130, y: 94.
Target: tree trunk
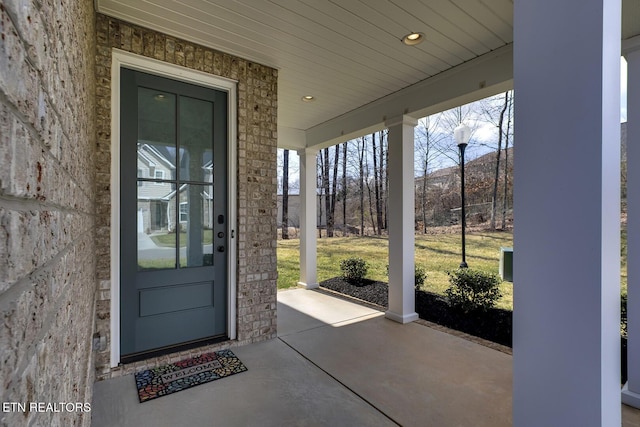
x: 345, y: 231
x: 285, y: 195
x: 376, y: 185
x: 321, y: 190
x: 361, y: 166
x: 382, y: 222
x: 367, y: 180
x: 424, y: 196
x: 334, y: 187
x: 327, y: 196
x: 373, y: 224
x: 506, y: 168
x: 494, y: 197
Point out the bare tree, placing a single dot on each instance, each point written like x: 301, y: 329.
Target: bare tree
x: 494, y: 197
x: 367, y: 180
x: 385, y: 137
x: 320, y: 177
x: 449, y: 120
x: 425, y: 147
x: 506, y: 164
x: 384, y: 177
x: 376, y: 185
x: 345, y: 229
x: 331, y: 213
x: 285, y: 195
x: 361, y: 156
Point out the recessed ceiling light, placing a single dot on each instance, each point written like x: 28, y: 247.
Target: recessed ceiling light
x: 412, y: 39
x: 159, y: 97
x: 308, y: 98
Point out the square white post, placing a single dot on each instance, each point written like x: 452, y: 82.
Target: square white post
x: 308, y: 219
x: 631, y: 391
x: 566, y: 345
x: 402, y: 307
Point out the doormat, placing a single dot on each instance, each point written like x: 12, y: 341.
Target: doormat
x: 178, y: 376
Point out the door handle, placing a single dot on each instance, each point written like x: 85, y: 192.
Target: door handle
x: 220, y: 248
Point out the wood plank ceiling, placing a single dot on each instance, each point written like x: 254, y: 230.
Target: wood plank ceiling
x: 345, y: 53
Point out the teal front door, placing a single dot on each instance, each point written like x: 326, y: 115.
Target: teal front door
x: 173, y: 207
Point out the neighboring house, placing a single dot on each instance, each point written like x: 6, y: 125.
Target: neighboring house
x: 157, y: 210
x: 83, y: 83
x: 153, y: 207
x: 203, y: 202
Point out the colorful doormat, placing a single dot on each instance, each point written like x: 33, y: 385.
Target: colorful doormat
x: 157, y: 382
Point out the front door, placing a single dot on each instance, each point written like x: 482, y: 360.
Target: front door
x: 173, y: 186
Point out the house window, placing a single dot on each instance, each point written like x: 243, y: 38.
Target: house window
x: 159, y: 175
x: 140, y: 175
x: 184, y: 212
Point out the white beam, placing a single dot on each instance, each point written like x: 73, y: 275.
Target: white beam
x: 401, y: 220
x: 566, y: 345
x: 630, y: 45
x: 631, y: 392
x: 308, y: 224
x: 479, y: 78
x: 291, y: 138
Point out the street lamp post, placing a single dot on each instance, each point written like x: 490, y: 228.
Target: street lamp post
x: 462, y: 134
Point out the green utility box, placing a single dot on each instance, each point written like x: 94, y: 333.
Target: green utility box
x: 506, y: 264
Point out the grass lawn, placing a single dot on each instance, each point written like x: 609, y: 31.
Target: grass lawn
x: 435, y: 253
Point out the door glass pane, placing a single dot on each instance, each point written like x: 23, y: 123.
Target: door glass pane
x: 156, y: 158
x: 196, y: 224
x: 156, y: 244
x: 196, y: 140
x: 157, y: 132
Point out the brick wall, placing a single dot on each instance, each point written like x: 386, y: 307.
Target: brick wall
x: 47, y: 188
x: 256, y: 198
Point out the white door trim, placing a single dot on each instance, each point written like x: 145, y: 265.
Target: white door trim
x: 121, y: 59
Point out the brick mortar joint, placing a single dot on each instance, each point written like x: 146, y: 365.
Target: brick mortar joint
x: 20, y: 204
x: 35, y: 136
x: 27, y: 48
x: 31, y: 349
x: 26, y: 283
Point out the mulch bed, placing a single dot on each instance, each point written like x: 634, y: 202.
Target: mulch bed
x: 493, y: 325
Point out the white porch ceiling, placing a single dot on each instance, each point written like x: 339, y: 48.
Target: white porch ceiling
x: 346, y: 53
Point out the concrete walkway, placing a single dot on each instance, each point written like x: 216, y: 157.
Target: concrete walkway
x: 335, y: 363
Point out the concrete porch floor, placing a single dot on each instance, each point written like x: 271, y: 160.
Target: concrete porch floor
x: 336, y: 363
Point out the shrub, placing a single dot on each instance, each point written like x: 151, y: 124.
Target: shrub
x: 471, y: 290
x: 420, y: 276
x: 354, y: 269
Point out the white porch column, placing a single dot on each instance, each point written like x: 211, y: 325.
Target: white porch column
x: 402, y: 307
x: 308, y: 221
x: 566, y: 345
x: 631, y: 391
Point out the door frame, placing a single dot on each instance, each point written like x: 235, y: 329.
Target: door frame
x: 123, y: 59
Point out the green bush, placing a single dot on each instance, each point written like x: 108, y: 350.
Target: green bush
x: 354, y: 269
x: 420, y: 276
x: 471, y: 290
